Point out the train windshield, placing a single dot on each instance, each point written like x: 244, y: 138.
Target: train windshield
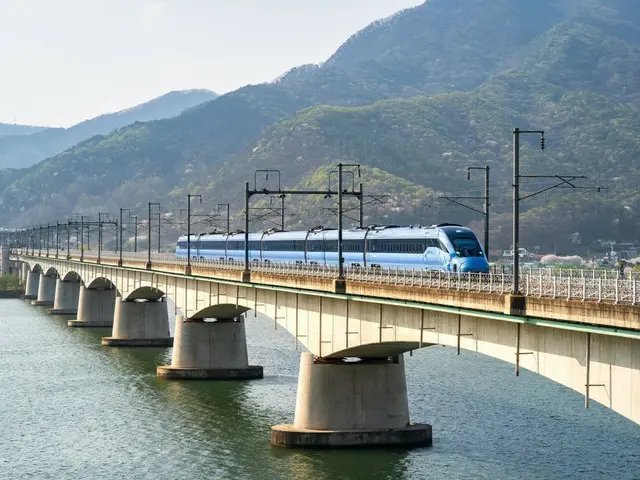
x: 467, y: 247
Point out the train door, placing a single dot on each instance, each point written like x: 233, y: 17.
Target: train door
x: 432, y: 254
x: 323, y: 251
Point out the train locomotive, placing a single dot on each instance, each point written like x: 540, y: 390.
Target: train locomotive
x: 446, y: 247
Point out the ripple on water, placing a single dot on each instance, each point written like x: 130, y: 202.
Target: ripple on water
x: 72, y: 408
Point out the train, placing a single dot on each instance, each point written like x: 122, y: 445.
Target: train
x: 447, y: 247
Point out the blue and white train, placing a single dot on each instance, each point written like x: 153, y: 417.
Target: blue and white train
x: 440, y: 247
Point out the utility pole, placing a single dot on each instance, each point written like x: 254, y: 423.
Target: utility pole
x: 48, y: 229
x: 247, y: 197
x: 57, y: 238
x: 135, y: 235
x: 563, y: 181
x: 486, y: 169
x: 282, y: 197
x: 158, y: 228
x: 187, y: 269
x: 361, y: 200
x: 100, y: 235
x: 120, y: 239
x: 340, y: 192
x: 82, y: 239
x: 516, y: 201
x: 148, y: 266
x: 485, y: 211
x: 68, y: 238
x: 279, y: 191
x: 228, y: 218
x: 340, y: 259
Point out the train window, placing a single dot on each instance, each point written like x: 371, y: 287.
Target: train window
x: 351, y: 245
x: 235, y: 245
x: 435, y: 243
x: 283, y: 245
x: 210, y: 245
x: 398, y: 246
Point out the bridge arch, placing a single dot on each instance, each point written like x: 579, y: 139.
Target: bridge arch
x: 36, y: 268
x: 71, y: 276
x: 377, y: 350
x: 220, y: 311
x: 148, y: 293
x: 102, y: 283
x: 52, y: 272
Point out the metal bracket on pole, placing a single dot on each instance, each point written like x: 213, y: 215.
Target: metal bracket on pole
x: 423, y: 328
x: 587, y: 383
x: 340, y: 286
x: 461, y: 334
x: 518, y: 352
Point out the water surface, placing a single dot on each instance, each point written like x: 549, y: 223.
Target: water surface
x: 72, y: 408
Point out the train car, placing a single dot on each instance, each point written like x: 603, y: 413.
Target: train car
x: 439, y: 247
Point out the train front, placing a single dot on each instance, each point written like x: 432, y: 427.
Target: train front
x: 467, y: 255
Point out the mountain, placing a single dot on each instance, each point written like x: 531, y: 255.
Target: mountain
x: 132, y: 164
x: 415, y: 98
x: 431, y: 140
x: 15, y: 129
x: 22, y: 150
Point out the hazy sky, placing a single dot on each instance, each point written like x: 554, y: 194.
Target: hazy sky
x: 62, y: 61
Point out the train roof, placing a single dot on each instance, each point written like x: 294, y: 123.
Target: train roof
x: 375, y: 231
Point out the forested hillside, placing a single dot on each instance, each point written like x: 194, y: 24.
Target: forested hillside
x: 415, y: 99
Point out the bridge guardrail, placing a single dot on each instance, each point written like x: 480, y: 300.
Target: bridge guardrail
x: 534, y: 283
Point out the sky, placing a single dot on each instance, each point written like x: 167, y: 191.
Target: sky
x: 63, y: 61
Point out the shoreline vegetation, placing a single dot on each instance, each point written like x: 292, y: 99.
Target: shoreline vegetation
x: 10, y: 286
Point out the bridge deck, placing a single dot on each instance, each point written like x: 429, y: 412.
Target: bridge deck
x: 607, y: 302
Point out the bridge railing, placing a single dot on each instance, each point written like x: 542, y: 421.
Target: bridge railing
x: 534, y: 283
x: 560, y: 272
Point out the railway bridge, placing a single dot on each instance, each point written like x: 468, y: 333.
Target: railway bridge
x: 582, y: 332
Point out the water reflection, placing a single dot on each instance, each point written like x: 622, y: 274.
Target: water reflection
x: 332, y: 464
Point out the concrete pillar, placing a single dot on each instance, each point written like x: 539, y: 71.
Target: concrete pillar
x: 46, y: 291
x: 4, y: 261
x: 95, y: 308
x: 210, y: 350
x: 24, y: 273
x: 66, y: 298
x: 351, y: 404
x: 140, y: 324
x: 33, y: 281
x: 21, y: 273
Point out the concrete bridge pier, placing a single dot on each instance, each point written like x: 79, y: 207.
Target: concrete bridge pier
x: 31, y: 289
x: 95, y: 307
x: 140, y: 323
x: 23, y: 271
x: 66, y: 297
x: 46, y: 290
x: 210, y: 350
x: 351, y: 404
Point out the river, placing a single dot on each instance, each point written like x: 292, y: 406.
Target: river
x: 71, y: 408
